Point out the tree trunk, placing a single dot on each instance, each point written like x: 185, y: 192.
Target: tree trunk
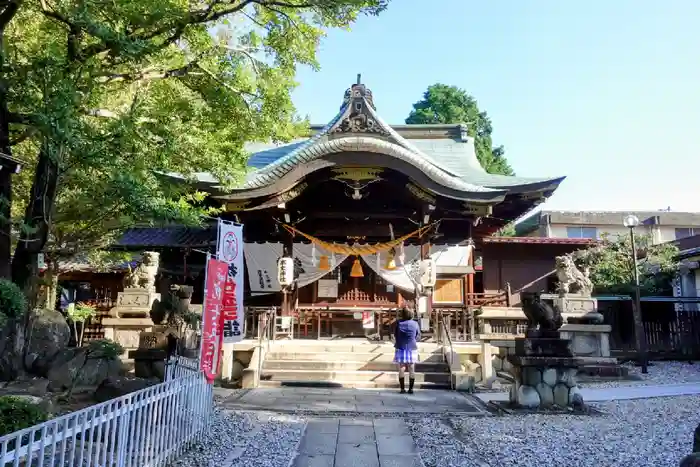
x: 37, y: 217
x: 5, y: 181
x: 50, y: 286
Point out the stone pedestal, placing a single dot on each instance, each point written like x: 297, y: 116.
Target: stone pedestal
x: 576, y: 307
x: 544, y: 370
x: 134, y: 303
x: 126, y: 331
x: 588, y: 340
x: 591, y: 343
x: 151, y: 356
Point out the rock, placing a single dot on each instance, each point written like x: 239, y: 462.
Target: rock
x: 531, y: 376
x: 567, y: 376
x: 497, y: 363
x: 473, y: 369
x: 11, y: 364
x: 72, y: 364
x: 527, y: 396
x: 549, y: 376
x: 546, y: 394
x: 507, y: 366
x: 114, y: 387
x: 33, y: 387
x: 561, y: 395
x: 47, y: 334
x: 575, y: 398
x: 691, y: 460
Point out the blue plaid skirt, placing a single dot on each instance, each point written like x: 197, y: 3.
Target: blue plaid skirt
x: 405, y: 356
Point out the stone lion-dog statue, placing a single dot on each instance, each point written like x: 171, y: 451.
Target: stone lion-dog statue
x: 571, y: 280
x: 144, y: 275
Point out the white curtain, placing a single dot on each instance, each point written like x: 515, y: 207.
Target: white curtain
x: 261, y: 262
x: 405, y: 274
x: 307, y: 258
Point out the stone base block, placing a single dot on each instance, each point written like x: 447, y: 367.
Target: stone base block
x: 463, y: 381
x: 543, y: 346
x: 545, y: 386
x: 126, y: 331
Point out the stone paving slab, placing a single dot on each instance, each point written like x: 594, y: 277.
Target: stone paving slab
x: 351, y: 442
x: 350, y: 401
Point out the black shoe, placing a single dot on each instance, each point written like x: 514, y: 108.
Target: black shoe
x: 410, y: 385
x: 402, y: 385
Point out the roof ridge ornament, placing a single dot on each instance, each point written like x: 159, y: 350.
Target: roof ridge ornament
x: 358, y: 104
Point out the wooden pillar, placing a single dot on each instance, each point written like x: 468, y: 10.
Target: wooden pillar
x: 425, y: 254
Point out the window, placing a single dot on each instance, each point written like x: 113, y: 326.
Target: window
x: 581, y: 232
x: 686, y: 232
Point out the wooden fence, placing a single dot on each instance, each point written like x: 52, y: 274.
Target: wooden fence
x: 671, y: 326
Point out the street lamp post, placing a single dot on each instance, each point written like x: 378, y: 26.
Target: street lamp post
x: 631, y: 221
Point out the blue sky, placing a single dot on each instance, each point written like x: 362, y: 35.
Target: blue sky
x: 604, y: 92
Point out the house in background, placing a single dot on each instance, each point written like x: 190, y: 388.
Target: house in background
x: 662, y: 226
x: 688, y: 283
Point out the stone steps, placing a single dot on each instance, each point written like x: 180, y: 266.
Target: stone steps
x: 346, y: 365
x: 297, y: 354
x: 349, y: 384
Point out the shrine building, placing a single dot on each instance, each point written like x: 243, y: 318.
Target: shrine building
x: 360, y: 208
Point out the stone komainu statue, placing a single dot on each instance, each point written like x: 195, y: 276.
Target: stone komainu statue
x: 542, y: 318
x: 144, y: 276
x: 571, y: 280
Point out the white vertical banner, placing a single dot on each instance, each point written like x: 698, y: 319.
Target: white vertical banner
x: 229, y: 248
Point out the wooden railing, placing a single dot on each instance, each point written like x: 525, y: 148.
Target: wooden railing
x: 501, y: 298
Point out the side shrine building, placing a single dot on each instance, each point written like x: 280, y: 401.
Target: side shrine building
x: 357, y: 205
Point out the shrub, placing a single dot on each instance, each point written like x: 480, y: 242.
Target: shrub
x: 17, y: 413
x: 12, y: 301
x: 104, y: 348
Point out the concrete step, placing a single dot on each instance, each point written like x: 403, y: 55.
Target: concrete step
x: 344, y: 346
x: 380, y: 377
x: 278, y: 354
x: 349, y: 384
x: 298, y: 364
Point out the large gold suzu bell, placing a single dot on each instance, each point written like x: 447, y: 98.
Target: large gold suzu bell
x: 356, y: 270
x: 324, y: 263
x: 391, y: 260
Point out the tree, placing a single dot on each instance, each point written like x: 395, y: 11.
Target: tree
x: 612, y: 271
x: 450, y: 104
x: 507, y: 230
x: 107, y: 97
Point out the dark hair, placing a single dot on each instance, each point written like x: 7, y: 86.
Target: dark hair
x: 405, y: 314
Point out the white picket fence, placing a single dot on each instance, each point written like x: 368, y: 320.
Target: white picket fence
x: 146, y: 428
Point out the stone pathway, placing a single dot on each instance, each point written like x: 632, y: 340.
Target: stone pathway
x: 618, y: 393
x: 354, y: 401
x: 346, y: 442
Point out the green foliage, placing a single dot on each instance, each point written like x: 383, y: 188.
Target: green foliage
x: 81, y: 312
x: 507, y: 230
x: 104, y: 348
x: 612, y: 269
x: 12, y: 301
x: 109, y: 99
x: 17, y: 414
x: 449, y: 104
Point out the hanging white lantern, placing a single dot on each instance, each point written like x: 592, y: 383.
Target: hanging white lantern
x: 427, y: 273
x: 285, y: 271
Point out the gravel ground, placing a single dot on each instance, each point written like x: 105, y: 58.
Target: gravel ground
x: 650, y: 432
x: 659, y: 373
x: 238, y: 439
